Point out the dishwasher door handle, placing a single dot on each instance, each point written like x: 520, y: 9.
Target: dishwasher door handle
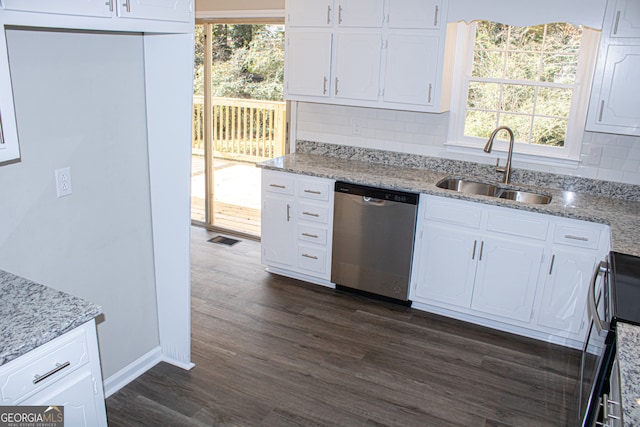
x: 372, y: 201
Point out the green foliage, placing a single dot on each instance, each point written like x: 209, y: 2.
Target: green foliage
x: 248, y: 62
x: 509, y: 65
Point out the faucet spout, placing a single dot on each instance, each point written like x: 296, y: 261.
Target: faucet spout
x: 506, y: 169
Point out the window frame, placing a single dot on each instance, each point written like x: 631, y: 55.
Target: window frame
x: 569, y: 155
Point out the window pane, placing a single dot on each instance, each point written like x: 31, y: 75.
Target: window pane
x: 558, y: 68
x: 563, y: 38
x: 549, y: 131
x: 518, y: 99
x: 554, y: 102
x: 491, y: 35
x: 519, y: 124
x: 480, y: 123
x: 488, y: 64
x: 483, y: 95
x: 523, y: 66
x: 526, y: 38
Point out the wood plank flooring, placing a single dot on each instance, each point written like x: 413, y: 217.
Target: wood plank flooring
x: 273, y: 351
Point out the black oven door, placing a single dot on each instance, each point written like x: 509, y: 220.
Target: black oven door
x: 598, y: 352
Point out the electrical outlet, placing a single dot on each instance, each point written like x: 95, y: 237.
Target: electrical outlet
x: 63, y: 182
x: 356, y: 126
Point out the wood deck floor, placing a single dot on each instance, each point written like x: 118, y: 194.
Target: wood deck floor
x: 273, y: 351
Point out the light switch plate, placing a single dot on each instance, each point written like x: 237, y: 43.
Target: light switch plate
x: 63, y: 182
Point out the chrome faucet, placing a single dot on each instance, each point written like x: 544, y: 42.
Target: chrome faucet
x: 506, y: 169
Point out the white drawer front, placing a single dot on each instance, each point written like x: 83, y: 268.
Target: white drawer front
x: 518, y: 225
x: 278, y: 182
x: 312, y: 189
x: 576, y: 235
x: 454, y: 213
x: 42, y: 366
x: 312, y: 259
x: 312, y: 234
x: 311, y: 212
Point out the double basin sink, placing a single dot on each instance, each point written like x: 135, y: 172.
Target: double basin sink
x: 467, y: 186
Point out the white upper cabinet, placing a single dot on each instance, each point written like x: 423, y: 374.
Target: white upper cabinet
x: 163, y: 10
x: 626, y: 19
x: 308, y: 63
x: 360, y: 13
x: 9, y: 147
x: 615, y: 98
x: 309, y: 13
x: 405, y: 54
x: 415, y: 14
x: 66, y: 7
x: 618, y: 108
x: 357, y: 66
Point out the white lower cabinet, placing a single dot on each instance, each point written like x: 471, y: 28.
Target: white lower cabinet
x: 63, y: 372
x: 297, y: 224
x: 518, y: 271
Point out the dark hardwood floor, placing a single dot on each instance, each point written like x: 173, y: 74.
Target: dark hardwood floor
x: 273, y: 351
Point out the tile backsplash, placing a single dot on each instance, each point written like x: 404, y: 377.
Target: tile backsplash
x: 605, y: 157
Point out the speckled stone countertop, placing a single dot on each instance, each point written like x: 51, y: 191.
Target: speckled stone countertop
x: 622, y: 215
x: 32, y: 314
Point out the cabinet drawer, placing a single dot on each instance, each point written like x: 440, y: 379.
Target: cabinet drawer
x: 312, y: 258
x: 525, y: 225
x: 454, y: 213
x: 312, y: 212
x: 314, y: 190
x: 278, y: 182
x: 312, y: 234
x: 43, y: 366
x: 576, y: 235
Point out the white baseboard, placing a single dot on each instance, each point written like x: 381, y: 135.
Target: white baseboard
x: 186, y: 366
x: 132, y: 371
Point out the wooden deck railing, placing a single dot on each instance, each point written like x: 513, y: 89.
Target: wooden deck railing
x: 242, y: 129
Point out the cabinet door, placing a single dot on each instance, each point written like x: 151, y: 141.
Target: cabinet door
x: 278, y: 218
x: 405, y: 55
x: 79, y: 398
x: 619, y: 101
x: 162, y: 10
x: 360, y: 13
x: 9, y: 147
x: 357, y: 66
x: 309, y: 13
x: 626, y: 19
x: 506, y: 278
x: 418, y: 14
x: 64, y: 7
x: 565, y: 291
x: 308, y: 63
x: 446, y: 267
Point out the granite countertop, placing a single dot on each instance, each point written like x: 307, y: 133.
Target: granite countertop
x: 622, y: 216
x: 32, y: 314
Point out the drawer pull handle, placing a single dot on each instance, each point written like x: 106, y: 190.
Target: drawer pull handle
x: 309, y: 256
x: 572, y: 237
x: 315, y: 236
x: 313, y: 191
x: 311, y: 214
x: 59, y: 367
x: 277, y: 186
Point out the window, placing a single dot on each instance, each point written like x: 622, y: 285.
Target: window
x: 536, y: 80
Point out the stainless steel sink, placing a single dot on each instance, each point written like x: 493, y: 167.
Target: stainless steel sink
x: 525, y: 197
x: 483, y: 189
x: 468, y: 187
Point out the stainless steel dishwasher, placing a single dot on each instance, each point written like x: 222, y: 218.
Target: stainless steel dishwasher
x: 373, y: 233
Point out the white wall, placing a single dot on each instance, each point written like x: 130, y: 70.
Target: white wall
x: 219, y: 5
x: 615, y: 157
x: 80, y: 102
